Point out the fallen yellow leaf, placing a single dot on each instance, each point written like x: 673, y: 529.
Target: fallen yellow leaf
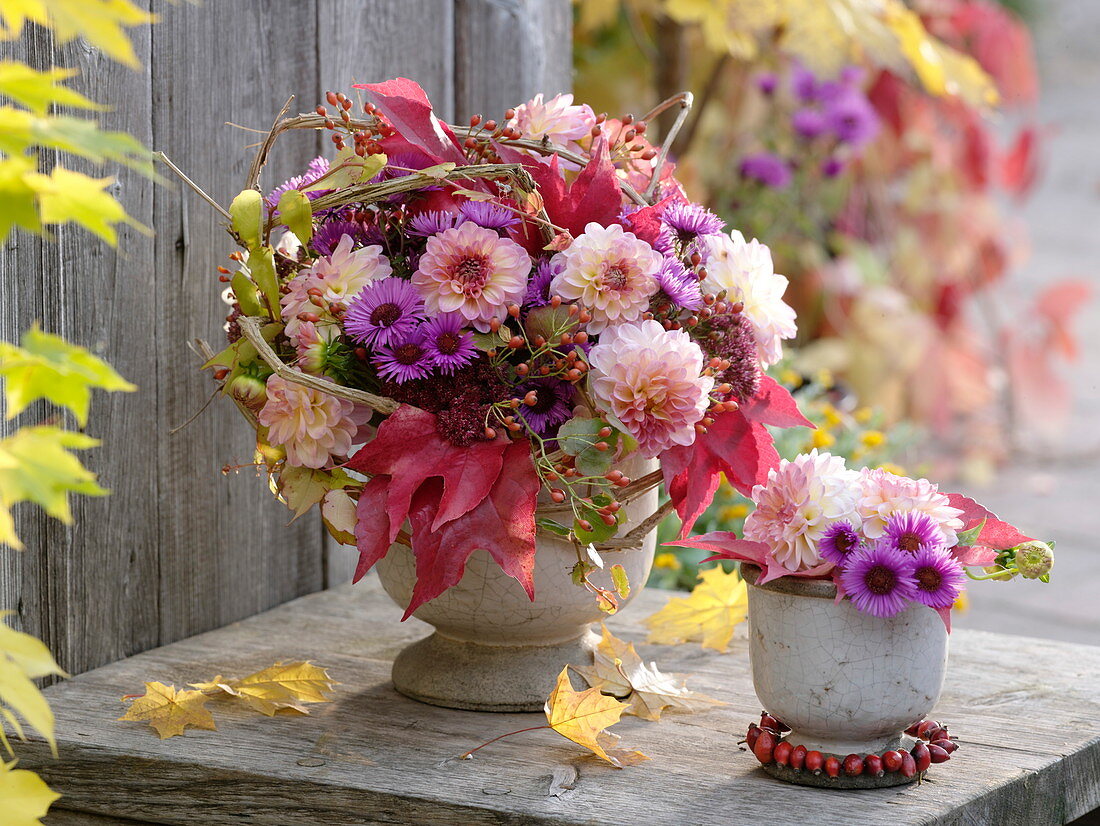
x: 170, y: 711
x: 618, y: 669
x: 281, y: 687
x: 582, y: 716
x: 25, y: 795
x: 717, y: 605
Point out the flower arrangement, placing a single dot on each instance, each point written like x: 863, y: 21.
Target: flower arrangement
x: 469, y: 329
x: 886, y: 541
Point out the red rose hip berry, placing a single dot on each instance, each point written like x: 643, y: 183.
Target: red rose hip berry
x: 765, y: 746
x: 782, y: 753
x: 853, y: 765
x: 832, y: 767
x: 891, y: 760
x: 814, y: 761
x: 872, y: 765
x: 921, y: 756
x: 798, y: 758
x: 751, y: 735
x: 908, y: 765
x: 936, y: 754
x: 948, y: 746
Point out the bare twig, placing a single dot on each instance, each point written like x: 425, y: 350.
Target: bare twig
x: 251, y: 331
x: 685, y: 99
x: 637, y: 535
x: 160, y: 156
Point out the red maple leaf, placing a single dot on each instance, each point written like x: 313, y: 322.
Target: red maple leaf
x: 408, y: 450
x: 646, y: 222
x: 593, y: 196
x: 995, y: 534
x: 406, y: 106
x: 503, y: 524
x: 737, y: 445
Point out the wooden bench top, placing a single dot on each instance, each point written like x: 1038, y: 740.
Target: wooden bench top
x: 1026, y: 712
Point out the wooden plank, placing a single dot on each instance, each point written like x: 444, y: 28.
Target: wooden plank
x: 225, y: 549
x: 91, y: 590
x: 508, y: 50
x: 373, y: 40
x: 1024, y: 711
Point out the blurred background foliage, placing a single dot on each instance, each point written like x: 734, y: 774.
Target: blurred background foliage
x: 882, y: 150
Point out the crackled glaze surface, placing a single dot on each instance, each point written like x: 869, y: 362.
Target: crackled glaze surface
x: 844, y: 681
x: 494, y: 649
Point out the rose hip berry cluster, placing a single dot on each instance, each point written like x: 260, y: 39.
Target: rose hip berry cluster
x: 933, y: 745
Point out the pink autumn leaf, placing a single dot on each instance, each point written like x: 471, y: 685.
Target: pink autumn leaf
x: 995, y: 534
x: 593, y: 196
x: 372, y: 525
x: 738, y: 445
x: 406, y: 106
x: 726, y: 545
x: 503, y: 524
x: 646, y: 222
x: 468, y: 473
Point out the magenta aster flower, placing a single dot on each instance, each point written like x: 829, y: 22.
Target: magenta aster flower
x: 488, y: 215
x: 679, y: 286
x: 317, y: 167
x: 808, y: 123
x: 449, y: 346
x: 851, y: 118
x: 879, y: 580
x: 913, y: 531
x: 431, y: 222
x: 385, y: 312
x: 473, y: 271
x: 766, y: 168
x: 838, y: 542
x: 538, y: 289
x: 940, y: 578
x: 551, y: 407
x: 690, y: 220
x: 405, y: 359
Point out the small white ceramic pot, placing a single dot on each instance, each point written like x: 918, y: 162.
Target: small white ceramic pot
x: 845, y: 682
x: 493, y: 648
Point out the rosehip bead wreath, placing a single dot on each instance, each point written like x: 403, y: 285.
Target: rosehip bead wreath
x: 796, y: 764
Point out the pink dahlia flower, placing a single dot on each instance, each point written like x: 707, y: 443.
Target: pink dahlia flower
x: 557, y: 119
x: 311, y: 425
x: 801, y: 500
x: 883, y: 494
x: 472, y: 271
x: 612, y: 272
x: 339, y: 277
x: 312, y: 343
x: 744, y: 270
x: 649, y: 378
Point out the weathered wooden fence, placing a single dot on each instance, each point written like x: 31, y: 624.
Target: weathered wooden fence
x: 178, y: 548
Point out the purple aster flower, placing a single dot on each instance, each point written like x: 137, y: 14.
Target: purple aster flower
x: 678, y: 285
x: 879, y: 580
x: 690, y: 220
x: 551, y: 407
x: 488, y: 215
x: 317, y: 167
x: 808, y: 123
x: 431, y: 223
x: 449, y: 346
x: 838, y: 542
x: 767, y: 82
x: 328, y: 236
x: 912, y: 531
x: 538, y: 288
x: 804, y: 84
x: 406, y: 359
x: 384, y: 312
x: 940, y: 577
x: 770, y: 170
x: 831, y: 167
x: 852, y: 119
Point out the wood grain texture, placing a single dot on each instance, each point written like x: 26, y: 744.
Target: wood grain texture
x: 1025, y: 712
x: 509, y: 50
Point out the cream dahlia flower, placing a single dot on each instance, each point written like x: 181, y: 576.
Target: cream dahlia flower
x: 883, y: 494
x: 610, y: 271
x: 744, y: 270
x: 311, y: 425
x: 472, y: 271
x: 339, y: 277
x: 557, y: 119
x: 649, y: 378
x: 801, y: 499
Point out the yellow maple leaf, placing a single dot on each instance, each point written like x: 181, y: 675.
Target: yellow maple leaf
x: 23, y: 659
x: 715, y: 607
x: 583, y: 716
x: 283, y: 686
x: 26, y: 796
x: 618, y: 669
x: 65, y: 196
x: 170, y: 711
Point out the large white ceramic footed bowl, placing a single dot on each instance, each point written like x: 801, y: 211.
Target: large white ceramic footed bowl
x: 844, y: 681
x: 493, y: 648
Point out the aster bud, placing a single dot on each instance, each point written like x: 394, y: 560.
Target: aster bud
x: 1034, y: 559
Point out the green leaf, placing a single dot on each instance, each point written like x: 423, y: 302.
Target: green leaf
x: 18, y: 199
x: 552, y: 526
x: 620, y: 580
x: 65, y: 196
x: 36, y: 466
x: 600, y: 532
x: 296, y: 214
x: 301, y: 487
x: 247, y: 212
x: 246, y: 294
x: 78, y: 136
x: 348, y: 169
x: 48, y: 367
x: 578, y: 438
x: 39, y: 90
x: 490, y: 341
x: 969, y: 537
x: 261, y: 263
x: 439, y: 171
x: 101, y: 22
